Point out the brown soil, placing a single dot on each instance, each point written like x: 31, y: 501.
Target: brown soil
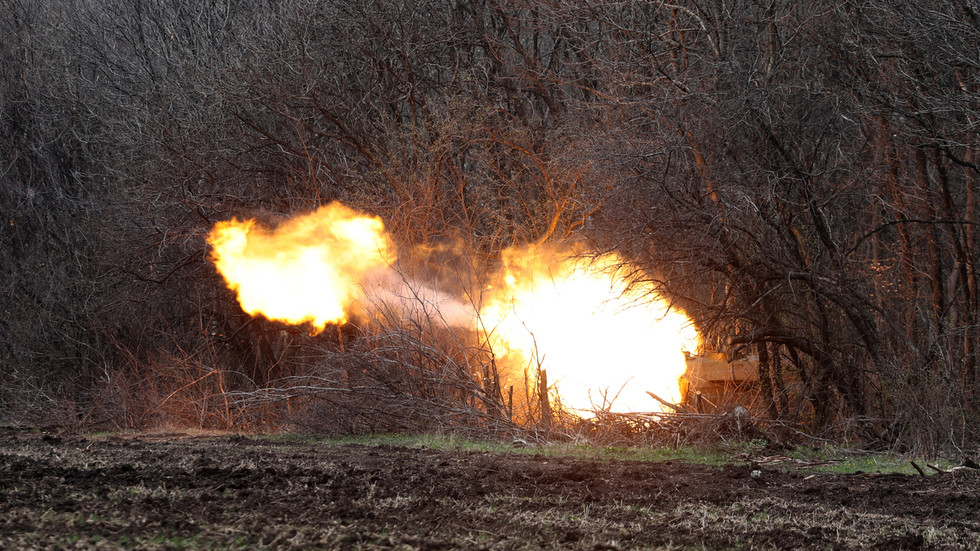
x: 233, y: 491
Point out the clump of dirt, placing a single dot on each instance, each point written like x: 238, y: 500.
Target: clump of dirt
x: 218, y: 491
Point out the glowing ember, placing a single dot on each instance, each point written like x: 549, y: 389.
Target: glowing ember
x: 600, y: 341
x: 308, y: 269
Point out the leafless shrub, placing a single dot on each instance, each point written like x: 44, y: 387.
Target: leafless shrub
x: 398, y: 375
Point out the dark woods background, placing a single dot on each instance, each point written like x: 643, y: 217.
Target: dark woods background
x: 802, y: 177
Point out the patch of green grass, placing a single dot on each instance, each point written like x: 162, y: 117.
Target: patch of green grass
x: 822, y: 459
x: 689, y: 454
x: 888, y: 463
x: 430, y: 441
x: 291, y: 437
x: 843, y: 460
x: 583, y: 451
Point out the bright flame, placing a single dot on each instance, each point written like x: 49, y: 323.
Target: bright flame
x: 600, y: 340
x: 603, y: 342
x: 309, y: 269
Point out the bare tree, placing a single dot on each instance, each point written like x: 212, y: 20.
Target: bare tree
x: 800, y: 177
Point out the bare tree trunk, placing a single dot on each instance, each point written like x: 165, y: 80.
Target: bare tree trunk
x: 777, y: 377
x: 543, y: 399
x: 937, y: 279
x: 970, y: 333
x: 765, y: 380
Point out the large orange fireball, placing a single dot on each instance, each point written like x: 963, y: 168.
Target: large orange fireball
x: 604, y: 343
x: 308, y: 269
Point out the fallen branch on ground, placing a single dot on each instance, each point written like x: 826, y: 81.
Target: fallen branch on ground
x: 962, y: 469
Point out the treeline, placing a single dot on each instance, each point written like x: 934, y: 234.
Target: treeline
x: 801, y: 177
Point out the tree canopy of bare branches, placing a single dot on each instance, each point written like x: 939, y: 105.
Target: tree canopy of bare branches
x: 801, y: 177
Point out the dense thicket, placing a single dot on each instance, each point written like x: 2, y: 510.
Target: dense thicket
x: 801, y: 176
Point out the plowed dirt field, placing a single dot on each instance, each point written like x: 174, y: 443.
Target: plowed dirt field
x: 179, y: 491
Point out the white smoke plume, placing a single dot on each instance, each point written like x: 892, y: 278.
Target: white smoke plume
x: 390, y: 291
